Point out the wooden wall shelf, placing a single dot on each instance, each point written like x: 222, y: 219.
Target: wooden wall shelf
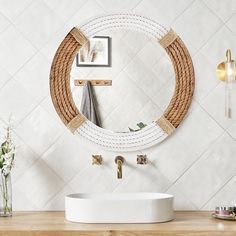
x: 54, y: 224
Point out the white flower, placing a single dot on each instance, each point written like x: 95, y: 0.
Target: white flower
x: 6, y: 156
x: 6, y: 169
x: 7, y: 165
x: 7, y: 153
x: 7, y: 162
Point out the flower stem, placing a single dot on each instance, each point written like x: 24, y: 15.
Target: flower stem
x: 5, y: 195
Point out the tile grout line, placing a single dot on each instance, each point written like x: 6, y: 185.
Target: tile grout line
x: 63, y: 182
x: 132, y: 9
x: 211, y: 36
x: 21, y: 11
x: 225, y: 184
x: 213, y: 12
x: 224, y: 21
x: 198, y: 158
x: 226, y: 25
x: 182, y: 194
x: 182, y: 12
x: 25, y: 197
x: 212, y: 117
x: 226, y: 128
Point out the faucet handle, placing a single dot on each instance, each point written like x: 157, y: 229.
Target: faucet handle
x: 119, y: 158
x: 96, y: 159
x: 142, y: 159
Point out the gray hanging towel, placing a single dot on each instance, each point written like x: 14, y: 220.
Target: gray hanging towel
x: 89, y: 104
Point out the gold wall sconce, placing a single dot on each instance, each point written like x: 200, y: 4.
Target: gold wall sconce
x: 226, y: 71
x: 96, y: 160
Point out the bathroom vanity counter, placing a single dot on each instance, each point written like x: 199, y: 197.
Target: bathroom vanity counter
x: 53, y: 223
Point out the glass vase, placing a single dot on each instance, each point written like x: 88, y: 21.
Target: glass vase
x: 5, y: 195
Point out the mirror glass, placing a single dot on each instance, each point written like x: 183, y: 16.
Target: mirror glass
x: 142, y: 78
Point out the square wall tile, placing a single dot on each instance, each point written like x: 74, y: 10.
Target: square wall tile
x: 110, y: 124
x: 136, y: 69
x: 20, y: 202
x: 181, y: 203
x: 93, y: 179
x: 149, y: 113
x: 231, y: 22
x: 15, y: 50
x: 224, y: 197
x: 158, y: 10
x: 39, y: 184
x: 232, y: 130
x: 224, y: 9
x: 151, y: 53
x: 16, y: 102
x: 39, y: 130
x: 215, y: 160
x: 50, y: 47
x: 136, y: 41
x: 3, y: 23
x: 196, y: 25
x: 47, y: 104
x: 13, y: 8
x: 214, y: 50
x: 34, y: 77
x: 214, y: 105
x: 205, y: 77
x: 66, y: 158
x: 164, y: 69
x: 3, y: 127
x: 195, y: 127
x: 172, y: 157
x: 34, y: 27
x: 129, y: 106
x: 24, y: 158
x: 164, y: 95
x: 65, y: 8
x: 150, y: 84
x: 90, y: 9
x: 58, y: 201
x: 113, y: 5
x: 5, y: 77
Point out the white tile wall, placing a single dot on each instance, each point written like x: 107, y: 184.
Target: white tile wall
x: 51, y: 163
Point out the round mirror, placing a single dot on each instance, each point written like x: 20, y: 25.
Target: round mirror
x: 134, y: 78
x: 141, y: 76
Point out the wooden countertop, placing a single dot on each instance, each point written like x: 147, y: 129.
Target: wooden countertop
x: 53, y: 223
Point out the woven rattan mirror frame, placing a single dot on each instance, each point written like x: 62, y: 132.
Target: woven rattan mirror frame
x: 153, y: 133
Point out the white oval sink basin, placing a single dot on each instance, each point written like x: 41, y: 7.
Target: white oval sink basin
x: 119, y: 207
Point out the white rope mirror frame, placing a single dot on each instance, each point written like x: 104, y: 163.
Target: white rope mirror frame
x: 153, y: 133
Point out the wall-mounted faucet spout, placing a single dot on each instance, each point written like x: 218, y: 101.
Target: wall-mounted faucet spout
x: 119, y: 160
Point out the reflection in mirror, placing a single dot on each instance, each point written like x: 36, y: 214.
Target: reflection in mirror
x: 142, y: 80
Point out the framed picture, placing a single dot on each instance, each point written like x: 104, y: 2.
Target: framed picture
x: 97, y: 52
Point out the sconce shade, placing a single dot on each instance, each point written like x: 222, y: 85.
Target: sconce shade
x: 226, y: 70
